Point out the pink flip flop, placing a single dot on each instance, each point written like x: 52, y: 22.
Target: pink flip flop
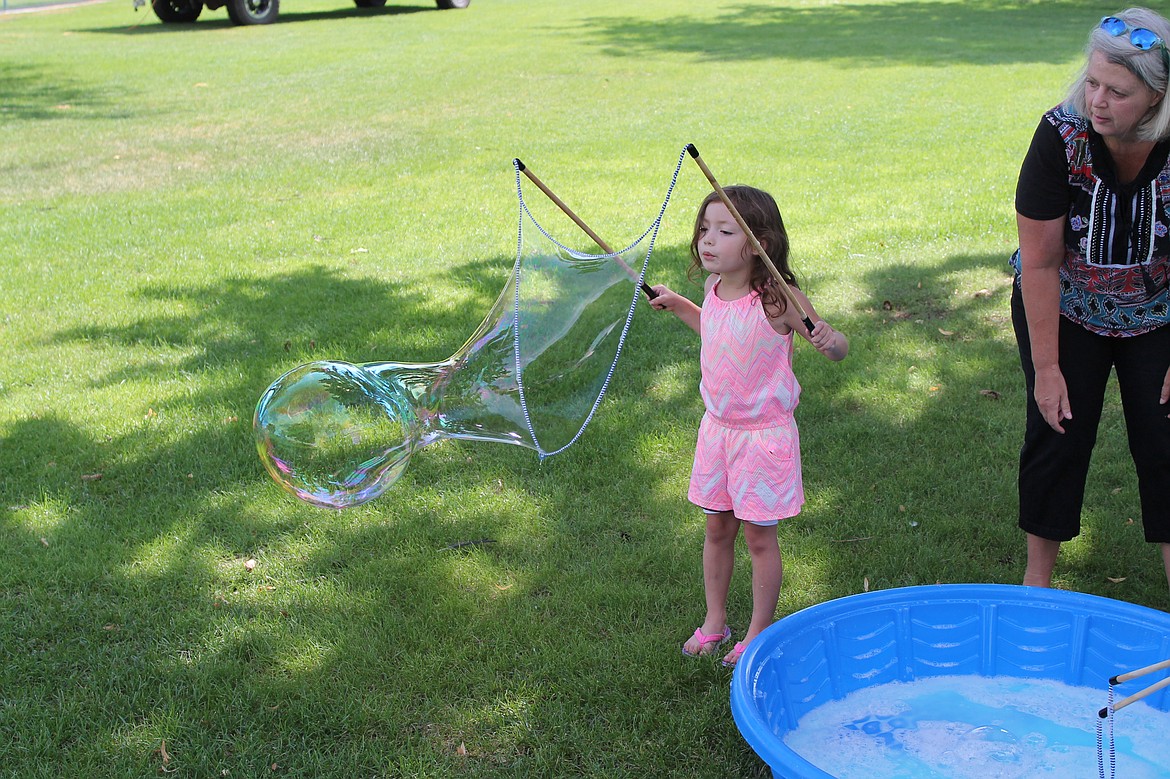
x: 734, y: 655
x: 713, y: 640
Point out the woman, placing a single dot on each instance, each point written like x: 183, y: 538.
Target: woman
x: 1091, y: 292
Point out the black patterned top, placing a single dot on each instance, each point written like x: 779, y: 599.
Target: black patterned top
x: 1115, y: 278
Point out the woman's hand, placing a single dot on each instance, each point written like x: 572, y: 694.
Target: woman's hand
x: 1052, y: 396
x: 1165, y: 390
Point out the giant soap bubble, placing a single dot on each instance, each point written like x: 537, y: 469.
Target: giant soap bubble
x: 533, y: 373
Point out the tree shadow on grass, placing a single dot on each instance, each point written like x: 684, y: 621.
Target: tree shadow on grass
x: 911, y: 451
x: 936, y: 372
x: 323, y: 654
x: 562, y: 621
x: 30, y: 93
x: 927, y: 34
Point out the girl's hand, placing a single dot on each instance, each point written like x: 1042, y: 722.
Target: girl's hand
x: 1051, y: 395
x: 828, y: 341
x: 665, y: 298
x: 684, y: 308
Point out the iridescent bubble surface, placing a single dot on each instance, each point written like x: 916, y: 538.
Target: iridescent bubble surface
x: 337, y: 434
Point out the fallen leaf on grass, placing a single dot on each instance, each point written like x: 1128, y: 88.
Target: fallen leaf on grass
x: 44, y: 541
x: 981, y: 293
x: 166, y: 757
x: 865, y: 584
x: 989, y: 394
x: 461, y: 749
x: 1118, y: 580
x: 250, y: 564
x: 946, y: 332
x: 91, y: 477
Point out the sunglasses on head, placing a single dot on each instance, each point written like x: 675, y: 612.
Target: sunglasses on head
x: 1140, y: 37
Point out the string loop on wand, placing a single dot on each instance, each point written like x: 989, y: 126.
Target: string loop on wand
x: 651, y: 233
x: 605, y: 247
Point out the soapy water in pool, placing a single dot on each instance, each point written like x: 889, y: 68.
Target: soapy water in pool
x: 978, y: 727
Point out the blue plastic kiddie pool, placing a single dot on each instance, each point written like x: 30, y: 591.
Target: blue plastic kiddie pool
x: 827, y: 651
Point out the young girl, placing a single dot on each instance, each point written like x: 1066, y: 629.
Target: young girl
x: 747, y: 462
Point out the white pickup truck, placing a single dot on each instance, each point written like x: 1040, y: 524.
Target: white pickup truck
x: 249, y: 11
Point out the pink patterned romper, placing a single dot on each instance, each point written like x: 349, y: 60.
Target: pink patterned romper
x: 748, y: 456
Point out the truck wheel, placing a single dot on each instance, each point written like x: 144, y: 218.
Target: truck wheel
x: 252, y: 11
x: 172, y: 11
x: 369, y: 3
x: 452, y: 3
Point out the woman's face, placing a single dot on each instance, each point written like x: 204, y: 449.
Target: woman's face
x: 1117, y: 99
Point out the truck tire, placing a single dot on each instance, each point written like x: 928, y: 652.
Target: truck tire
x: 252, y: 11
x: 452, y: 3
x: 177, y: 11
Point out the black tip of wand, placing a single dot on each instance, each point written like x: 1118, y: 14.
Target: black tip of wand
x: 1113, y: 680
x: 519, y: 165
x: 691, y: 150
x: 1103, y: 713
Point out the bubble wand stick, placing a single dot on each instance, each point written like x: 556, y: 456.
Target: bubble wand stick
x: 520, y: 166
x: 1137, y: 696
x: 751, y: 237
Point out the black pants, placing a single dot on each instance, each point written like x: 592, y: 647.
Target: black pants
x: 1053, y: 467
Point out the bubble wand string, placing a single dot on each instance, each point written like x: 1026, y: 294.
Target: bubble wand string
x: 578, y: 221
x: 751, y: 237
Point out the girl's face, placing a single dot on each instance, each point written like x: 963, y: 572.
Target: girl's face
x: 1117, y: 99
x: 722, y: 246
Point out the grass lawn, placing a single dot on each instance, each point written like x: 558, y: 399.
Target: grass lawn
x: 188, y: 211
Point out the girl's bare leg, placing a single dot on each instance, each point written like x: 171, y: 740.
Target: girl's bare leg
x: 718, y: 563
x: 767, y: 575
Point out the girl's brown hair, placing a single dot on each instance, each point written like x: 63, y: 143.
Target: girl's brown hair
x: 762, y: 216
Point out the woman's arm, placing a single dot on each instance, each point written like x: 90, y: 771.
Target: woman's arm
x: 1041, y: 253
